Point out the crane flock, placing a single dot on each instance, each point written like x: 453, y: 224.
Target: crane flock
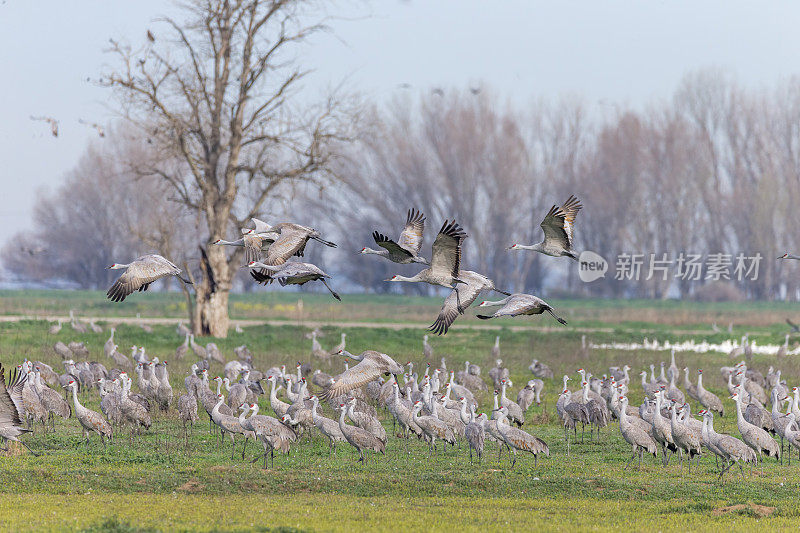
x: 438, y: 407
x: 269, y: 248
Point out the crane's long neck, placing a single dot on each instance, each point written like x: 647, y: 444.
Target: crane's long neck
x: 254, y: 408
x: 739, y: 417
x: 496, y: 401
x: 215, y: 411
x: 341, y: 418
x: 273, y: 395
x: 494, y: 303
x: 242, y: 416
x: 700, y: 381
x: 535, y: 247
x: 375, y: 252
x: 78, y: 406
x: 412, y: 279
x: 238, y: 242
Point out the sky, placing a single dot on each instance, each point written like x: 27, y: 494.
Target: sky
x: 626, y: 52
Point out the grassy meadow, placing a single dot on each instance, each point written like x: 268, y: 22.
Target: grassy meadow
x: 162, y: 480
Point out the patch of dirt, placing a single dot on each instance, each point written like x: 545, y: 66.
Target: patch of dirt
x: 191, y: 486
x: 749, y: 507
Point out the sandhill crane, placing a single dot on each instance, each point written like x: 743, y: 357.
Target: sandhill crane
x: 78, y: 348
x: 31, y: 402
x: 371, y: 364
x: 498, y: 373
x: 94, y: 327
x: 649, y: 388
x: 662, y: 431
x: 237, y: 393
x: 445, y: 259
x: 558, y: 227
x: 109, y: 401
x: 496, y: 348
x: 358, y: 438
x: 519, y: 305
x: 278, y: 406
x: 140, y: 273
x: 783, y: 349
x: 474, y: 431
x: 691, y: 388
x: 730, y: 449
x: 709, y: 400
x: 640, y: 440
x: 187, y: 408
x: 91, y: 421
x: 516, y: 439
x: 365, y: 421
x: 433, y: 428
x: 754, y: 436
x: 406, y: 249
x: 687, y: 438
x: 571, y: 413
x: 291, y: 240
x: 328, y: 427
x: 270, y: 431
x: 55, y: 328
x: 163, y: 392
x: 293, y: 274
x: 119, y: 359
x: 11, y: 410
x: 52, y: 401
x: 182, y: 330
x: 673, y: 392
x: 672, y: 371
x: 132, y: 411
x: 183, y: 349
x: 460, y: 298
x: 109, y: 345
x: 63, y: 350
x: 230, y: 424
x: 254, y: 244
x: 530, y: 394
x: 513, y: 410
x: 427, y: 350
x: 779, y: 420
x: 75, y: 323
x: 596, y: 409
x: 540, y: 370
x: 400, y: 408
x: 198, y: 349
x: 792, y: 435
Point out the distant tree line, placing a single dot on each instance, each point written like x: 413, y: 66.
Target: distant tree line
x: 716, y: 169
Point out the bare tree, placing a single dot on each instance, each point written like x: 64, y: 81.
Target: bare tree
x: 217, y: 92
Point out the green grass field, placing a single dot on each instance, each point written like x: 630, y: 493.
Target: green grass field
x: 161, y: 481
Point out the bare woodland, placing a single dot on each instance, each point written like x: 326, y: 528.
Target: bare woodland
x: 216, y: 129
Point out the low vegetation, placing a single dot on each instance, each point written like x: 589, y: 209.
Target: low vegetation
x: 190, y: 483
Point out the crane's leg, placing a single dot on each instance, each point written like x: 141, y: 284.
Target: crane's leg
x: 244, y: 447
x: 629, y: 460
x: 514, y: 461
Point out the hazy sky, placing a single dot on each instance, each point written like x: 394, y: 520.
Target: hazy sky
x: 609, y: 51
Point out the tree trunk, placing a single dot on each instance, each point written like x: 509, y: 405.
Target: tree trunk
x: 211, y: 295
